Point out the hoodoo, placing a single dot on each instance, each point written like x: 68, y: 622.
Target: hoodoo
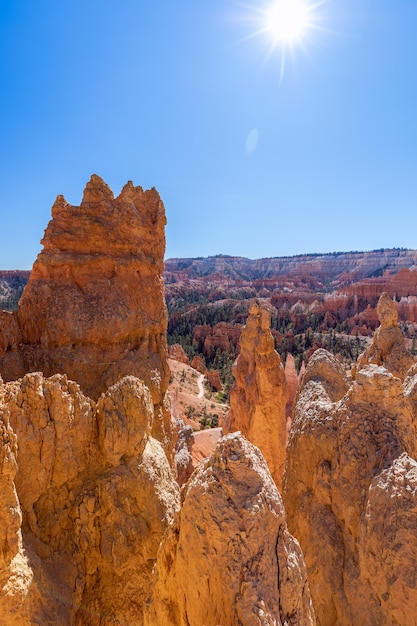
x: 388, y: 345
x: 259, y: 395
x: 94, y: 306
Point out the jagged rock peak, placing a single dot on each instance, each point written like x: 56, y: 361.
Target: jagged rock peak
x: 259, y: 394
x: 94, y: 305
x: 109, y: 226
x: 96, y: 190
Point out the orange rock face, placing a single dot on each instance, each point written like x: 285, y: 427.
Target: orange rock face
x: 229, y: 558
x: 86, y: 499
x: 94, y: 305
x: 259, y: 395
x: 349, y: 492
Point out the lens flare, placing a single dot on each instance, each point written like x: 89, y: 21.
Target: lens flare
x: 287, y: 21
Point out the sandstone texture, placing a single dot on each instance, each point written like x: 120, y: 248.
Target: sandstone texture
x: 86, y: 497
x: 259, y: 394
x: 349, y: 490
x: 229, y: 558
x: 388, y: 346
x: 94, y: 305
x: 18, y: 592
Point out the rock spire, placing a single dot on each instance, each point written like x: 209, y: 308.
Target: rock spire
x: 259, y: 395
x: 388, y: 345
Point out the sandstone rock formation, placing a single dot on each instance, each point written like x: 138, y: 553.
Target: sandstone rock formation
x: 292, y: 382
x: 177, y: 352
x: 213, y: 378
x: 94, y: 305
x: 348, y: 493
x: 88, y: 496
x: 193, y: 447
x: 198, y: 364
x: 18, y: 592
x: 388, y: 550
x: 388, y: 346
x: 259, y: 395
x: 229, y: 558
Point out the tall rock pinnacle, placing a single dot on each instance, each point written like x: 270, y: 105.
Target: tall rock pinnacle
x: 259, y: 394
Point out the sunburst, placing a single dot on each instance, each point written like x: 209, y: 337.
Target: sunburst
x: 285, y: 25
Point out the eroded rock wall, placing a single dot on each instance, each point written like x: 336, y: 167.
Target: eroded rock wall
x: 229, y: 558
x: 93, y: 495
x: 348, y: 477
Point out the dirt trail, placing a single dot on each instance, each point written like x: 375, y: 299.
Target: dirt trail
x: 200, y: 386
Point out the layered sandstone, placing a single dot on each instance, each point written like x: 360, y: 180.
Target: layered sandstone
x: 348, y: 492
x: 93, y: 495
x: 94, y: 304
x: 259, y: 394
x: 388, y: 345
x: 229, y: 558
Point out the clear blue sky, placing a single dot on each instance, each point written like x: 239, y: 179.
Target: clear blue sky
x: 179, y: 96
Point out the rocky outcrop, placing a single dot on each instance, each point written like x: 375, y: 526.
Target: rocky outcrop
x: 348, y: 492
x: 93, y: 495
x: 198, y: 364
x: 177, y: 352
x: 94, y: 304
x: 388, y: 345
x: 213, y: 379
x: 259, y: 394
x: 229, y: 558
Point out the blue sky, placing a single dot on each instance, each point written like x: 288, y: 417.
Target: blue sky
x: 180, y: 96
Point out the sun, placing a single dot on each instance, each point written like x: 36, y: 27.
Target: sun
x: 283, y: 26
x: 287, y: 21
